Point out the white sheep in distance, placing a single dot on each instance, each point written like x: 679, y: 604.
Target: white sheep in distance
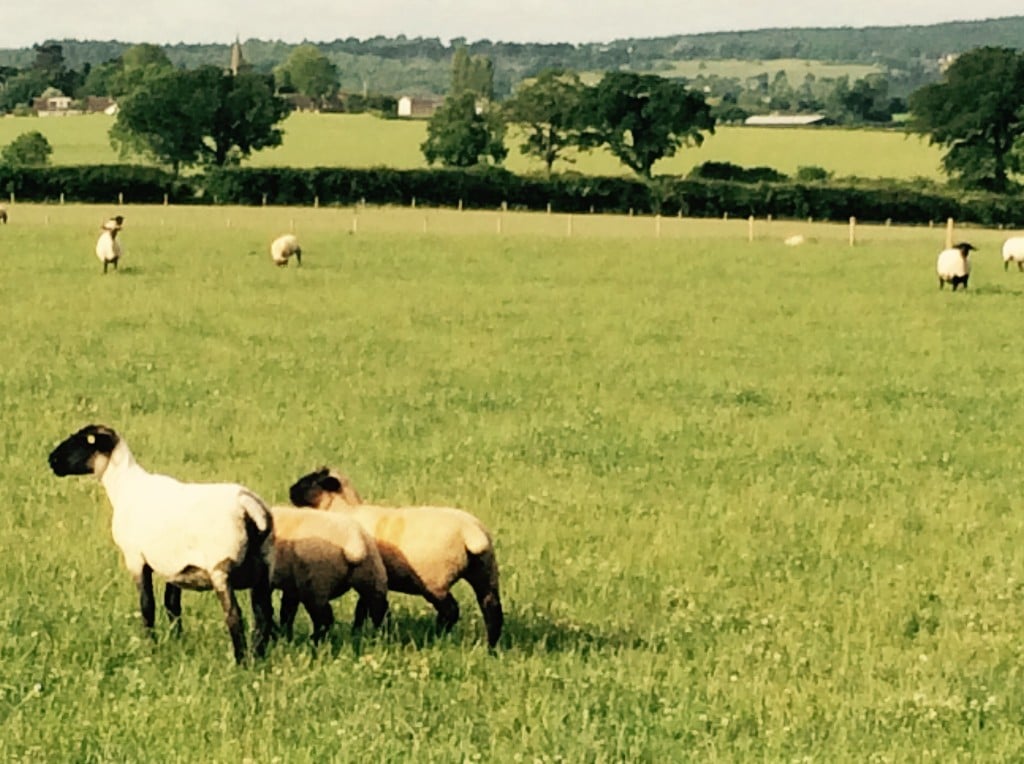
x: 108, y: 248
x: 195, y: 535
x: 319, y: 556
x: 283, y: 247
x: 953, y: 266
x: 426, y: 550
x: 1013, y: 252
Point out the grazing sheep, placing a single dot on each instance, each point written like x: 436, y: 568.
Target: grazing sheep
x: 108, y: 248
x: 319, y: 556
x: 3, y: 214
x: 425, y: 549
x: 1013, y: 252
x: 195, y: 535
x: 283, y: 247
x: 953, y: 265
x: 795, y: 240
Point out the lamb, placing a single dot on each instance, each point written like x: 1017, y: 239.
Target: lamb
x: 195, y: 535
x: 425, y: 549
x: 283, y: 247
x: 953, y: 265
x: 108, y: 248
x: 1013, y: 252
x: 319, y: 556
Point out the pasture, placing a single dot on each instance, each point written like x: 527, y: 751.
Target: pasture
x: 339, y: 140
x: 751, y: 502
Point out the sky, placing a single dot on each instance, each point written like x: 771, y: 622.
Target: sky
x: 26, y: 22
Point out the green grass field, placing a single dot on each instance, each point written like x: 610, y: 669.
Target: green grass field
x: 796, y: 69
x: 751, y: 502
x: 365, y: 141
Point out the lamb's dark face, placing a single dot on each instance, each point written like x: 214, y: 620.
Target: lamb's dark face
x: 309, y: 490
x: 965, y: 248
x: 80, y: 453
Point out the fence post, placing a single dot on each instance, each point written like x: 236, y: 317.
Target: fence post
x: 62, y: 197
x: 750, y: 228
x: 264, y: 200
x: 568, y: 226
x: 414, y: 202
x: 316, y: 201
x: 657, y: 226
x: 949, y: 233
x: 165, y: 200
x: 120, y: 198
x: 853, y: 230
x: 460, y: 205
x: 355, y: 223
x: 499, y: 223
x: 549, y: 208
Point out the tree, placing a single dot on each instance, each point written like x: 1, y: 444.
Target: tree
x: 977, y: 115
x: 643, y: 118
x: 309, y: 72
x: 549, y: 110
x: 472, y: 74
x: 204, y: 115
x: 460, y: 135
x: 28, y: 149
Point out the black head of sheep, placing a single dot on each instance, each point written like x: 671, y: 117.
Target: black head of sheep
x: 309, y: 489
x: 965, y: 248
x: 82, y: 452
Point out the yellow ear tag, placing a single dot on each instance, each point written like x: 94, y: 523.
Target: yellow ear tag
x: 90, y: 439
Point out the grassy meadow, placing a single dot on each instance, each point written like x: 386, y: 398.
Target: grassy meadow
x: 365, y: 141
x: 751, y: 502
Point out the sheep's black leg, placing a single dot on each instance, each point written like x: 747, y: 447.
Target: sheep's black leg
x: 1006, y: 265
x: 965, y: 281
x: 940, y: 283
x: 147, y: 605
x: 372, y: 603
x: 233, y: 619
x: 172, y: 604
x: 482, y: 575
x: 262, y: 611
x: 1020, y: 265
x: 289, y: 606
x: 447, y: 612
x: 322, y: 617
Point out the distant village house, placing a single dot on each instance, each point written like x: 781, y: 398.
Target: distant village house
x: 412, y: 107
x: 786, y: 120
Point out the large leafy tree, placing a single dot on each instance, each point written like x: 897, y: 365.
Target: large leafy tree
x: 977, y: 114
x: 643, y: 118
x: 461, y: 135
x: 472, y: 74
x: 308, y: 71
x: 549, y: 109
x: 204, y: 115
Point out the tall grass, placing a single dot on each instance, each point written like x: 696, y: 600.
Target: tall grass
x: 334, y: 140
x: 751, y: 502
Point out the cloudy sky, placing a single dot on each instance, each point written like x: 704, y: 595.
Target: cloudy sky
x: 26, y: 22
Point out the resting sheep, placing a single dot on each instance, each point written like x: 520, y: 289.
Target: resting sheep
x: 1013, y: 252
x: 195, y: 535
x: 425, y: 549
x: 108, y: 248
x: 953, y: 265
x: 319, y: 556
x: 283, y: 247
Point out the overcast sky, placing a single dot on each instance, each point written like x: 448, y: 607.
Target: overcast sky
x: 26, y: 22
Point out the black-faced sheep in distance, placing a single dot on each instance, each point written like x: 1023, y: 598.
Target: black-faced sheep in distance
x: 108, y: 248
x: 953, y: 266
x: 426, y: 550
x: 319, y: 556
x: 195, y: 535
x: 284, y: 247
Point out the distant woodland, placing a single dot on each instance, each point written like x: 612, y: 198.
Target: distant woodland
x: 908, y: 56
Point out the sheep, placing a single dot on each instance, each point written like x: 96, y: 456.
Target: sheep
x: 1013, y: 252
x: 195, y: 535
x: 283, y: 247
x: 319, y: 556
x: 425, y: 549
x: 953, y: 265
x: 795, y: 240
x: 108, y: 248
x: 3, y: 214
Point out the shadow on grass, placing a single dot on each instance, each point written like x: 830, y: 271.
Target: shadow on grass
x: 989, y: 290
x: 527, y: 632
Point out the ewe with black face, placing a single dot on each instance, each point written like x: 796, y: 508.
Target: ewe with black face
x: 195, y: 535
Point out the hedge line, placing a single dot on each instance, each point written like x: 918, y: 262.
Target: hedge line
x: 489, y: 188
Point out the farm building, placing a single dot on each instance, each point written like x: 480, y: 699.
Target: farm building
x: 408, y: 106
x: 786, y: 120
x: 53, y: 103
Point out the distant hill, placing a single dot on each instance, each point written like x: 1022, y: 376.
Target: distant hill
x: 420, y: 65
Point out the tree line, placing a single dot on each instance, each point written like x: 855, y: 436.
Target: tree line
x: 211, y: 117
